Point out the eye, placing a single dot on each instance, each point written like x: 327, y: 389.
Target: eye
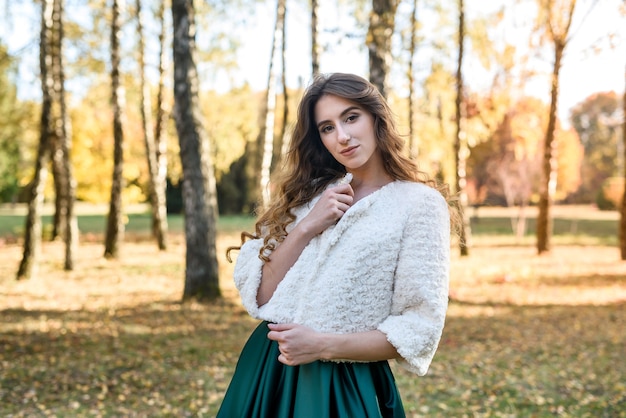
x: 352, y: 118
x: 326, y: 129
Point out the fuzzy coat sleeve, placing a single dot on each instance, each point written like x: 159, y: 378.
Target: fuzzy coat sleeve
x: 247, y: 275
x: 420, y: 296
x: 249, y: 267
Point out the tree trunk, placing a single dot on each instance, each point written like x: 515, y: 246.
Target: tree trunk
x: 283, y: 137
x: 270, y: 108
x: 315, y: 46
x: 32, y: 229
x: 461, y: 150
x: 622, y: 224
x: 380, y: 31
x: 549, y: 166
x: 199, y: 193
x: 59, y: 219
x: 558, y: 34
x: 158, y: 229
x: 411, y: 80
x: 64, y: 221
x: 66, y: 193
x: 115, y: 224
x: 159, y: 219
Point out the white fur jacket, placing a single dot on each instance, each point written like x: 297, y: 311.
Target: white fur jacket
x: 384, y: 265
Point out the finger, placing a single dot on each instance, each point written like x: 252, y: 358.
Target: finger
x: 345, y: 189
x: 279, y: 327
x: 339, y: 210
x: 343, y: 207
x: 283, y: 359
x: 276, y: 331
x: 344, y: 198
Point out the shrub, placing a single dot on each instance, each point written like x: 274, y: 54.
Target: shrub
x: 611, y: 194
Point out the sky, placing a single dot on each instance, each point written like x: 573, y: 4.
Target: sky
x: 583, y: 72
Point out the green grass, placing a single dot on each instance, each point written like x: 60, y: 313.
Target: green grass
x: 137, y: 223
x: 565, y: 230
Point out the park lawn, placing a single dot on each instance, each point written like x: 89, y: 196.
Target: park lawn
x: 526, y: 335
x: 581, y: 225
x: 137, y: 224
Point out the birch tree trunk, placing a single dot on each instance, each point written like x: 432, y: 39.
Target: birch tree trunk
x: 160, y: 133
x: 32, y: 229
x: 411, y: 81
x: 58, y: 130
x: 380, y: 31
x: 315, y: 46
x: 158, y: 228
x: 66, y: 190
x: 115, y: 224
x: 199, y: 192
x: 461, y: 150
x: 65, y: 224
x: 270, y: 108
x: 283, y: 136
x: 58, y: 219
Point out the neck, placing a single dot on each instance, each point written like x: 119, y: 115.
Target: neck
x: 366, y: 183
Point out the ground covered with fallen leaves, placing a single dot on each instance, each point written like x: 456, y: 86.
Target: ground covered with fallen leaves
x: 526, y: 335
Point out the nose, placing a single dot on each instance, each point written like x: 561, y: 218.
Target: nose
x: 342, y: 136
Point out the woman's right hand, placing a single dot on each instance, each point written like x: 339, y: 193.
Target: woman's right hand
x: 330, y: 207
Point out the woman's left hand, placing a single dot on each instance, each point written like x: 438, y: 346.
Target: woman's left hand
x: 298, y: 344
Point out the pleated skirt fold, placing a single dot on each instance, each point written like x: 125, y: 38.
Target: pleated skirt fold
x: 262, y: 387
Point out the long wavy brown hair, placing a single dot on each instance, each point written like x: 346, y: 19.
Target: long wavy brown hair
x: 308, y: 167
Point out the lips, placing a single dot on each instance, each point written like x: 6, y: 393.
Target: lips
x: 349, y: 150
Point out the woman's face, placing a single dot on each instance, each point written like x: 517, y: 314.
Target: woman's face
x: 347, y: 132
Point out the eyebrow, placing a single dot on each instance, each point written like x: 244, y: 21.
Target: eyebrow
x: 347, y: 110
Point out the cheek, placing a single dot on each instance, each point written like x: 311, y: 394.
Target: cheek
x: 327, y: 144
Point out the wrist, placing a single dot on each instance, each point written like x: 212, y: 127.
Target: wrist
x: 328, y: 346
x: 304, y: 231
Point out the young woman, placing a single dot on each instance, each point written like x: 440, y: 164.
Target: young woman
x: 348, y: 267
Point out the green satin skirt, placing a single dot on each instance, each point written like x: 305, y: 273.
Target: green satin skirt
x: 262, y: 387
